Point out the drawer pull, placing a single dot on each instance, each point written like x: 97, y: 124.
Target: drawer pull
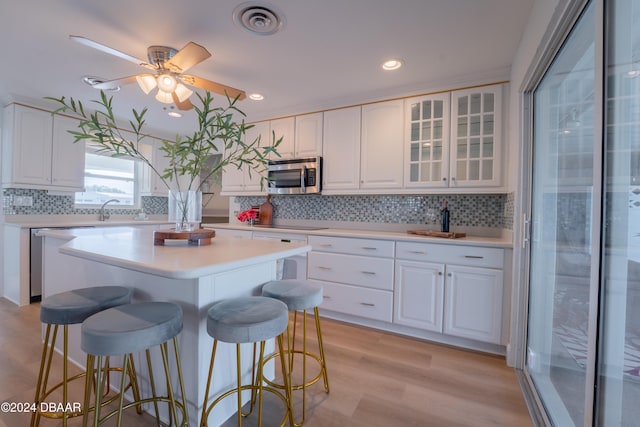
x: 418, y: 252
x: 325, y: 245
x: 439, y: 273
x: 321, y: 267
x: 369, y: 248
x: 474, y: 256
x: 368, y: 304
x: 326, y: 297
x: 371, y: 273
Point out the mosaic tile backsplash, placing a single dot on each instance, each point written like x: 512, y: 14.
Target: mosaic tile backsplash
x: 467, y: 210
x: 46, y: 204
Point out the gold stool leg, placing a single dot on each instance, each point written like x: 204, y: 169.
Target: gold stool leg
x: 44, y: 361
x: 321, y: 350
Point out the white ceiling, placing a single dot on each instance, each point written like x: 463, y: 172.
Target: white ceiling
x: 327, y: 55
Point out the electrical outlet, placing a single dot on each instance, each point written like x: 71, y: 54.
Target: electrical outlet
x: 22, y: 201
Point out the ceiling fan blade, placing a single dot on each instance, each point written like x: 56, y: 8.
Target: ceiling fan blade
x: 212, y: 86
x: 185, y: 105
x: 190, y: 55
x: 115, y: 84
x: 106, y: 49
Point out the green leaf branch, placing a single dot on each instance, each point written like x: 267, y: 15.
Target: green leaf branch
x: 218, y: 132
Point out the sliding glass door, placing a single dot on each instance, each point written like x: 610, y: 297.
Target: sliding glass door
x: 583, y: 322
x: 619, y: 333
x: 562, y: 204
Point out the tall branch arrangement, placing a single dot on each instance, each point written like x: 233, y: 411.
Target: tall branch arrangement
x: 217, y: 133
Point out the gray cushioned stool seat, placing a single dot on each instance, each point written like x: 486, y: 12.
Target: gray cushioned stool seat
x: 247, y: 319
x: 130, y: 328
x: 297, y: 294
x: 68, y: 308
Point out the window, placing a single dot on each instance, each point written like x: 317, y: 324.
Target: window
x: 108, y: 178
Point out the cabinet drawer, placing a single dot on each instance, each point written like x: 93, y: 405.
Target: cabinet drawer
x: 451, y: 254
x: 229, y: 232
x: 347, y: 245
x: 351, y: 269
x: 356, y: 301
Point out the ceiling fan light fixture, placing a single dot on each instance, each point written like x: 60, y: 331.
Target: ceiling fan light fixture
x: 182, y: 92
x: 256, y: 97
x: 147, y: 82
x: 167, y: 83
x: 164, y: 97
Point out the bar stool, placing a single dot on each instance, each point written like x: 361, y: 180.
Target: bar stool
x: 129, y: 329
x: 248, y: 320
x: 300, y: 295
x: 69, y: 308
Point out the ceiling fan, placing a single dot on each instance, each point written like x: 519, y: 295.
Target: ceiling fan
x: 168, y: 65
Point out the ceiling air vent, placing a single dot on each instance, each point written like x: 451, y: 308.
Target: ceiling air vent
x: 257, y: 19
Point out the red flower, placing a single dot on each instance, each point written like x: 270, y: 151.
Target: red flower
x: 245, y: 216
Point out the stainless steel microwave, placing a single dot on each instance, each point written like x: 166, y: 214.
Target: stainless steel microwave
x: 294, y: 176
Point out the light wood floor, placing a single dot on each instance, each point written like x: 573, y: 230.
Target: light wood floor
x: 376, y: 379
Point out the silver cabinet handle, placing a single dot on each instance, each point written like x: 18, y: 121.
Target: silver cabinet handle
x: 325, y: 245
x: 371, y: 273
x: 418, y: 252
x: 326, y: 297
x: 369, y: 248
x: 321, y: 267
x: 474, y: 256
x: 368, y: 304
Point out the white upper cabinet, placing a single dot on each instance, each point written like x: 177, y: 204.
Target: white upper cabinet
x: 476, y: 144
x: 381, y: 151
x: 308, y: 140
x: 284, y: 128
x: 38, y: 152
x: 68, y: 157
x: 427, y: 141
x: 245, y: 180
x: 341, y: 150
x: 454, y: 139
x: 152, y: 184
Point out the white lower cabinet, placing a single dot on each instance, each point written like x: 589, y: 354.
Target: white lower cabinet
x: 458, y: 300
x: 473, y: 303
x: 356, y: 275
x: 419, y: 295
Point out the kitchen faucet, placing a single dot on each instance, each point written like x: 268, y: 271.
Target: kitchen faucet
x: 103, y: 214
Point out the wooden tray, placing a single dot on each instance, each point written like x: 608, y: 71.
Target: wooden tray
x: 442, y: 234
x: 197, y: 237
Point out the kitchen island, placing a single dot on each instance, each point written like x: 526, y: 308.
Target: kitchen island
x: 191, y: 276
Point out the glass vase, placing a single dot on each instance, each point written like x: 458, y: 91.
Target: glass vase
x: 185, y: 209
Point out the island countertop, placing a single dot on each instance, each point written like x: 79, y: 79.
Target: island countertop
x: 133, y: 249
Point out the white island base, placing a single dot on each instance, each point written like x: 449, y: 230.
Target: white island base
x: 193, y: 277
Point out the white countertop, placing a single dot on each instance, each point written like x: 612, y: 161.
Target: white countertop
x: 42, y: 221
x: 133, y: 249
x: 499, y: 242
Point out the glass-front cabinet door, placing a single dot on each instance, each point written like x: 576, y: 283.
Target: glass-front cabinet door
x: 476, y: 137
x: 427, y: 148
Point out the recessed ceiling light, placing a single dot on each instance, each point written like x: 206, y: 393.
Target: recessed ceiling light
x: 256, y: 97
x: 174, y: 114
x: 392, y: 64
